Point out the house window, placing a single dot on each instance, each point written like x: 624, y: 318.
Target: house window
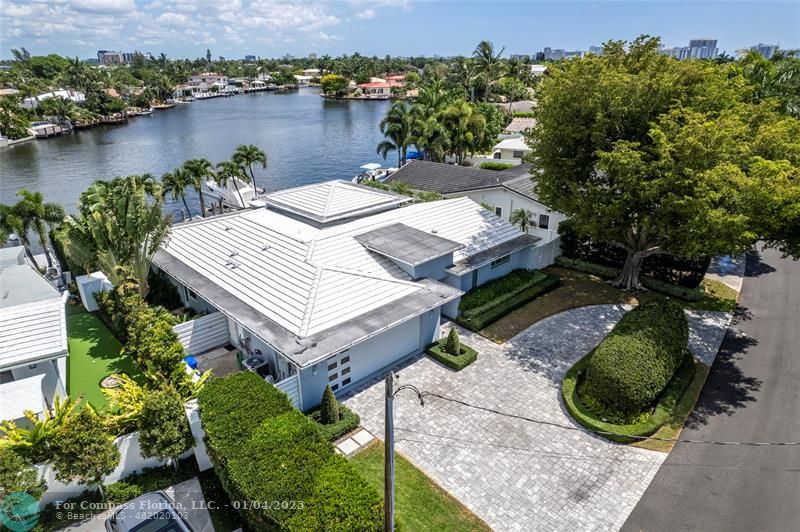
x: 544, y: 221
x: 502, y: 260
x: 517, y: 154
x: 190, y: 294
x: 498, y: 211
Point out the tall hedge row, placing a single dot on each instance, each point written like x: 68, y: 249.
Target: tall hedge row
x: 670, y: 269
x: 637, y: 359
x: 276, y: 465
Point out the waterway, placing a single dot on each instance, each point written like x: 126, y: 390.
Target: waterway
x: 307, y: 139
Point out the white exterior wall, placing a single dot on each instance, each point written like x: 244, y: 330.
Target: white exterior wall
x: 509, y: 201
x: 131, y: 461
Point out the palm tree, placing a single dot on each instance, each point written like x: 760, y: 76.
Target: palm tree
x: 397, y: 126
x: 176, y: 183
x: 464, y: 72
x: 523, y: 218
x: 488, y: 63
x: 119, y: 229
x: 231, y: 171
x: 431, y: 137
x: 465, y: 129
x: 248, y: 155
x: 11, y: 222
x: 38, y: 214
x: 199, y: 170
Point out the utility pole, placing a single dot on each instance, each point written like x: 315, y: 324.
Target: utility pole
x: 388, y: 459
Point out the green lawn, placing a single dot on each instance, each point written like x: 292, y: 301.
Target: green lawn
x: 420, y: 504
x: 94, y: 353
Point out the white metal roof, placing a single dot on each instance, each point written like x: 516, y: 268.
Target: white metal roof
x: 333, y: 200
x: 20, y: 395
x: 514, y: 143
x: 308, y: 279
x: 32, y: 317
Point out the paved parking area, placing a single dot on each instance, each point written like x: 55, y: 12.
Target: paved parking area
x: 514, y: 473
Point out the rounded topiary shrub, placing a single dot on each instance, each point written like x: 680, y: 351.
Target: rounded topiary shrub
x: 636, y: 361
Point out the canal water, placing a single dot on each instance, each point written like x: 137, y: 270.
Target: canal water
x: 307, y: 139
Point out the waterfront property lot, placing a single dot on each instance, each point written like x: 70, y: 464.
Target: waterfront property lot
x: 94, y: 353
x: 514, y: 472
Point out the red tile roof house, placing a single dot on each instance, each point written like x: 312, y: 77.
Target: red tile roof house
x: 380, y: 88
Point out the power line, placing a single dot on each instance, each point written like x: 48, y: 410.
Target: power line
x: 604, y: 432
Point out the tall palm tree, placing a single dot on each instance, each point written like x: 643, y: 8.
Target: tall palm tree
x: 229, y: 171
x: 464, y: 72
x: 431, y: 137
x: 176, y: 183
x: 397, y: 126
x: 465, y: 129
x: 523, y: 218
x: 11, y: 222
x: 199, y: 170
x: 39, y: 215
x: 488, y: 63
x: 246, y: 155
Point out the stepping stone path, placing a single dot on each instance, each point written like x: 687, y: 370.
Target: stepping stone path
x: 354, y: 442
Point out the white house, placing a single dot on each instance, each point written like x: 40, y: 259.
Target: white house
x: 73, y: 96
x: 511, y: 150
x: 33, y: 338
x: 334, y: 282
x: 505, y: 191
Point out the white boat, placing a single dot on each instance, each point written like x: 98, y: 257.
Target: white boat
x: 373, y: 172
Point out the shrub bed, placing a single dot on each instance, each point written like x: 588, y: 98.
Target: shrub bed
x: 489, y: 165
x: 636, y: 360
x: 348, y: 421
x: 466, y: 356
x: 646, y: 424
x: 493, y: 300
x: 609, y: 272
x: 264, y: 450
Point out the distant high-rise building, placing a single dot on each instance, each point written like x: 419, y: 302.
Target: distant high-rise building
x: 766, y: 50
x: 127, y: 57
x: 596, y: 50
x: 109, y: 57
x: 521, y: 57
x: 697, y: 49
x: 312, y: 56
x: 557, y: 54
x: 249, y: 58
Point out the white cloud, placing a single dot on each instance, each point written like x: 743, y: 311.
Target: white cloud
x: 172, y: 19
x: 366, y: 14
x: 103, y: 6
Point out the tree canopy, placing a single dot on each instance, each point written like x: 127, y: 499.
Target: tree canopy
x: 656, y: 155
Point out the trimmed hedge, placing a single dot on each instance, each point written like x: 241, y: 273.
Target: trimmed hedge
x: 627, y: 433
x: 670, y: 269
x: 455, y: 362
x: 637, y: 359
x: 500, y: 296
x: 266, y: 451
x: 609, y: 272
x: 489, y: 165
x: 348, y: 421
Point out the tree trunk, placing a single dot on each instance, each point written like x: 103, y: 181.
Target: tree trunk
x: 26, y: 245
x: 253, y: 179
x: 629, y: 277
x: 43, y: 242
x: 202, y: 204
x: 238, y: 192
x: 188, y: 212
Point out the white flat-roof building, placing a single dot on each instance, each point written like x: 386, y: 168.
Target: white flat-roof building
x: 333, y: 282
x: 73, y: 96
x: 33, y: 338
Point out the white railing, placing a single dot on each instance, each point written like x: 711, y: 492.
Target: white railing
x: 203, y: 334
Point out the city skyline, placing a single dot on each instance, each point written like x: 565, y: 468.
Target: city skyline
x: 266, y: 28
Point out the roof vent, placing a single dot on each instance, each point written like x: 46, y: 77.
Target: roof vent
x: 232, y: 264
x: 233, y: 253
x: 227, y: 227
x: 265, y: 247
x: 434, y: 231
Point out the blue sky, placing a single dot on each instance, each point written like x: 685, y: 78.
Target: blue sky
x: 271, y: 28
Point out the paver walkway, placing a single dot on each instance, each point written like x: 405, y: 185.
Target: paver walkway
x: 513, y: 473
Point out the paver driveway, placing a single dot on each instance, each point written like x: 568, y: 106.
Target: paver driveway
x: 516, y: 474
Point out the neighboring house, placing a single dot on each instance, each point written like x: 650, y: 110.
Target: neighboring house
x: 73, y: 96
x: 380, y: 87
x: 511, y: 150
x: 519, y: 125
x: 33, y: 338
x: 333, y: 282
x: 538, y: 70
x: 505, y: 191
x: 209, y: 78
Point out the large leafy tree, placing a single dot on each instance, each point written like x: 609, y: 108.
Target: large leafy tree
x: 656, y: 155
x: 465, y: 127
x: 163, y: 429
x: 17, y: 474
x: 246, y: 155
